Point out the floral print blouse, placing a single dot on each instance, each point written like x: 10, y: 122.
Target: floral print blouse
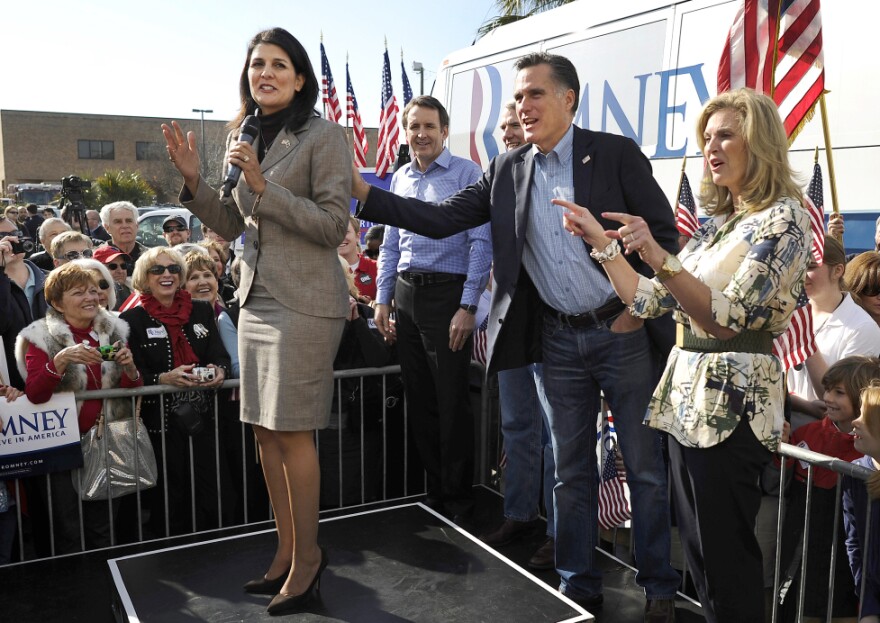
x: 755, y: 265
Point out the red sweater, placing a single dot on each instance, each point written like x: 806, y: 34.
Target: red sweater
x: 823, y: 437
x: 40, y: 384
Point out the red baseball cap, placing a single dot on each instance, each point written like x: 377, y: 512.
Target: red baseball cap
x: 105, y: 254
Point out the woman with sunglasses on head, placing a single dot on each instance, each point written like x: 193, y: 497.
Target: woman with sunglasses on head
x: 292, y: 203
x: 171, y: 336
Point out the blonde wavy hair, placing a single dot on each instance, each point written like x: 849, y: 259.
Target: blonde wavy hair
x: 768, y: 173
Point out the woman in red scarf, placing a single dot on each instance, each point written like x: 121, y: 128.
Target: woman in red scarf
x: 171, y: 336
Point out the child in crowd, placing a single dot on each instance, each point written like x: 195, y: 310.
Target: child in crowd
x: 856, y: 497
x: 843, y: 383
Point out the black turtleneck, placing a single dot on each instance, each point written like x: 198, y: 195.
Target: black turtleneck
x: 270, y: 126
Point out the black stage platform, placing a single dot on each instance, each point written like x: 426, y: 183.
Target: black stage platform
x: 386, y: 564
x: 404, y: 563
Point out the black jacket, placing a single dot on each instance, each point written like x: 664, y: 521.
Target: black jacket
x: 152, y: 353
x: 16, y: 314
x: 610, y: 174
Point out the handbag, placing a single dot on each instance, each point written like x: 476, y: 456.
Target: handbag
x: 117, y: 459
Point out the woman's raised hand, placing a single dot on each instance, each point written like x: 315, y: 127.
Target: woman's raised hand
x: 183, y: 153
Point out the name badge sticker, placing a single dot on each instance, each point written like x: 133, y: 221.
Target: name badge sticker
x: 155, y: 333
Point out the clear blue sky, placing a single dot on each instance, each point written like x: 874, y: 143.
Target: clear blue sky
x: 162, y: 58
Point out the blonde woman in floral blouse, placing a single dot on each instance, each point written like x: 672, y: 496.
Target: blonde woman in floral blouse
x: 732, y: 289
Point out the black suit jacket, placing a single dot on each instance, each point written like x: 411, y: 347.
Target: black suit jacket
x: 610, y: 175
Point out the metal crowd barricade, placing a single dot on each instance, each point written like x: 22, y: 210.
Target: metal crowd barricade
x: 813, y: 460
x: 387, y: 470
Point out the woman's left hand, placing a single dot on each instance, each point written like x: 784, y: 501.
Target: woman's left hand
x: 244, y: 156
x: 125, y: 360
x: 219, y: 377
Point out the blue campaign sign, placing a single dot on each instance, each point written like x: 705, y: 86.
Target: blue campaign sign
x: 38, y: 439
x: 370, y: 178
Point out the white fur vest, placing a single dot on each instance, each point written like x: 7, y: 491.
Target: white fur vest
x: 51, y: 335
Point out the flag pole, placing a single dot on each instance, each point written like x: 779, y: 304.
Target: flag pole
x: 346, y: 94
x: 826, y: 131
x: 775, y: 51
x: 680, y: 181
x: 323, y: 101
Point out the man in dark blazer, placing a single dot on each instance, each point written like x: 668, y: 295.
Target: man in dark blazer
x: 551, y: 302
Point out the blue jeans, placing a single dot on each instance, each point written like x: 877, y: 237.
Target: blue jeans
x: 526, y: 441
x: 579, y: 363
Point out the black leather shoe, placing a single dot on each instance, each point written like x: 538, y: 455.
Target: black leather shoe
x: 660, y: 611
x: 508, y: 532
x: 264, y: 586
x: 288, y: 604
x: 545, y: 556
x: 591, y: 604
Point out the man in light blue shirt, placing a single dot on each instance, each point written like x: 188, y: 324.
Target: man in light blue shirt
x: 435, y: 286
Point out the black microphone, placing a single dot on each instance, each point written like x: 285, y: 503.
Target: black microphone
x: 250, y: 127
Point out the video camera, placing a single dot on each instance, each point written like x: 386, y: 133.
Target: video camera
x: 72, y: 188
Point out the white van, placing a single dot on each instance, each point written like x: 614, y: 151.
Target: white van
x: 647, y: 66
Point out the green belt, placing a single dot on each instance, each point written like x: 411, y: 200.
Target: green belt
x: 760, y: 342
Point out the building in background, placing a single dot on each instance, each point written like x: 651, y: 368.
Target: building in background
x: 46, y: 146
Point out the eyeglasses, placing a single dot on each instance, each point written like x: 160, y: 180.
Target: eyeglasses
x: 168, y: 230
x: 75, y: 255
x: 102, y: 283
x: 159, y: 269
x: 123, y: 266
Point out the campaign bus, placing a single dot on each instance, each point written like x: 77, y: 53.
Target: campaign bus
x: 647, y: 66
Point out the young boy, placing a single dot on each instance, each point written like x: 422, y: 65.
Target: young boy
x: 843, y: 383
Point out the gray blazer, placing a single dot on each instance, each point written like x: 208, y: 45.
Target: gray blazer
x: 292, y: 233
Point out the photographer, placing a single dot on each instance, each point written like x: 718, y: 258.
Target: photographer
x: 21, y: 293
x: 172, y: 338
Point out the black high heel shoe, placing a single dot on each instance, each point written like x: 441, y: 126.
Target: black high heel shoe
x: 264, y: 586
x: 287, y: 604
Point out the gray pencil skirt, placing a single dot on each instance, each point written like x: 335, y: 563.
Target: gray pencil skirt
x: 286, y: 363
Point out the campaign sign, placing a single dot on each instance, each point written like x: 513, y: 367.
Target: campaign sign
x: 38, y: 439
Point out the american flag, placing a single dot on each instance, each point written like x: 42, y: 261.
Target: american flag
x: 816, y: 208
x: 686, y: 210
x: 799, y: 340
x: 798, y: 78
x: 332, y: 107
x: 614, y: 508
x: 386, y: 151
x: 361, y: 146
x: 407, y: 89
x: 133, y: 300
x: 481, y: 342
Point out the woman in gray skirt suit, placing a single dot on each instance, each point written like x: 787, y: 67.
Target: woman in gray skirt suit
x: 292, y: 204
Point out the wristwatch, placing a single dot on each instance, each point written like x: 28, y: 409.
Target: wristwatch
x: 671, y: 267
x: 471, y: 309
